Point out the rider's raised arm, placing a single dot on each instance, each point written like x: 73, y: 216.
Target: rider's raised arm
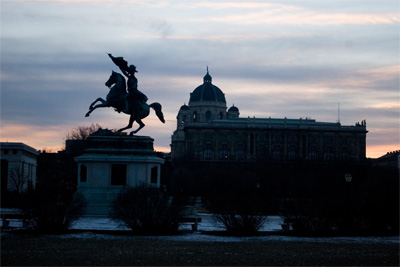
x: 121, y: 63
x: 125, y: 72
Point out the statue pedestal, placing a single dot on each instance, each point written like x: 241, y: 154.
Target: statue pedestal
x: 113, y: 162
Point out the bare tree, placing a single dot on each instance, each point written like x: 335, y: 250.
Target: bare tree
x: 82, y: 132
x: 18, y: 180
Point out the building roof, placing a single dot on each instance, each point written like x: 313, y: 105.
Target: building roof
x: 271, y: 123
x: 207, y: 92
x: 393, y: 155
x: 18, y: 146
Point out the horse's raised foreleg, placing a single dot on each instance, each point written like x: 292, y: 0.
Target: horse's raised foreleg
x: 131, y: 120
x: 103, y: 104
x: 97, y: 100
x: 141, y: 125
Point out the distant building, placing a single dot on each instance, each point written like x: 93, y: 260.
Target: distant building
x: 18, y: 167
x: 390, y: 160
x: 207, y: 131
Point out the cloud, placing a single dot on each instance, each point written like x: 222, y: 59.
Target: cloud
x: 297, y: 13
x: 308, y: 18
x: 296, y: 59
x: 239, y: 5
x: 386, y: 105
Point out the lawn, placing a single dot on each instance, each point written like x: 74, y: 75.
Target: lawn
x: 88, y: 248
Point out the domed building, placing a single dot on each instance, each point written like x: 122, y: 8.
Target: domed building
x: 207, y: 131
x: 207, y: 104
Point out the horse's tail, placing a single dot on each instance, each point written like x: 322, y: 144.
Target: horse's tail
x: 157, y: 108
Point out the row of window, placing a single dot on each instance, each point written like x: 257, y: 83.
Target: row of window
x: 6, y: 151
x: 195, y: 117
x: 118, y: 174
x: 275, y: 138
x: 276, y: 153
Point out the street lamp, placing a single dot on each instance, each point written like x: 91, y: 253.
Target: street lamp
x: 348, y: 177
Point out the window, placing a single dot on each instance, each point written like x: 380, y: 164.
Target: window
x: 224, y: 152
x: 83, y: 173
x: 292, y: 139
x: 154, y: 175
x: 195, y: 116
x: 240, y: 153
x: 328, y: 155
x: 276, y: 153
x: 183, y: 121
x: 251, y: 143
x: 304, y: 145
x: 208, y: 115
x: 208, y: 153
x: 312, y: 155
x: 292, y: 153
x: 261, y: 152
x: 328, y: 139
x: 118, y: 174
x: 277, y: 138
x: 344, y: 154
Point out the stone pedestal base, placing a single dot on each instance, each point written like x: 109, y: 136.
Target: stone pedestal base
x: 113, y: 162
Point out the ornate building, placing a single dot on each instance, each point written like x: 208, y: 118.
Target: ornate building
x: 207, y: 131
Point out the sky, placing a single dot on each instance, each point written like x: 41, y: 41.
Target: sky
x: 294, y: 58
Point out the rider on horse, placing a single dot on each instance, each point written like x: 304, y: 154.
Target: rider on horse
x: 132, y: 102
x: 134, y: 97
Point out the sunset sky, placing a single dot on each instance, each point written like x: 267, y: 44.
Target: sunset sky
x: 294, y: 58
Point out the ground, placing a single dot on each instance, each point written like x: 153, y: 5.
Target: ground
x: 90, y: 248
x: 101, y: 241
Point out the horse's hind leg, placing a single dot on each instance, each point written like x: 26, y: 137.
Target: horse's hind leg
x: 141, y: 125
x: 131, y: 120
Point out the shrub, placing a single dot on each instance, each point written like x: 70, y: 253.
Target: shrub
x: 241, y: 224
x: 54, y: 213
x: 146, y: 210
x: 239, y: 215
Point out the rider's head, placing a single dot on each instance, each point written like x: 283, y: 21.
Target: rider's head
x: 132, y: 69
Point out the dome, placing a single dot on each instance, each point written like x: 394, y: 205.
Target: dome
x: 184, y: 107
x: 233, y: 109
x: 207, y: 92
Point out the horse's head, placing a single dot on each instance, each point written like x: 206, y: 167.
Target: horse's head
x: 112, y: 80
x: 118, y: 81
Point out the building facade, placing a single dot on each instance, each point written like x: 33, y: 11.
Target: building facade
x: 208, y: 131
x: 18, y: 167
x: 390, y: 160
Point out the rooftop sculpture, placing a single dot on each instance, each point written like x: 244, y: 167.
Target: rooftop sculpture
x: 131, y: 102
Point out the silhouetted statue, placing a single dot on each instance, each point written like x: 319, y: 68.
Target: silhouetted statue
x: 134, y: 95
x: 132, y: 102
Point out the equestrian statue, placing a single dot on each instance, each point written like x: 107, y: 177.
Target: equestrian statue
x: 131, y: 102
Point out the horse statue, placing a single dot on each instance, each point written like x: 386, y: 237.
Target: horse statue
x: 116, y: 99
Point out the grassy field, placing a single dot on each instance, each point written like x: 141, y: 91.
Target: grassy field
x: 30, y: 250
